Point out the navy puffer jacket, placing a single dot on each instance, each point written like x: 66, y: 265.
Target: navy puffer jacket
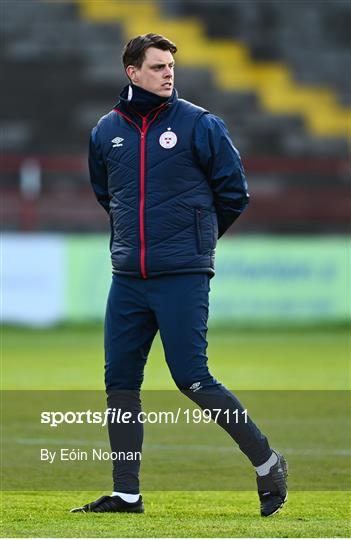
x: 171, y: 181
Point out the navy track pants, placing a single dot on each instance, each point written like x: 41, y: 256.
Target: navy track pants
x: 177, y: 306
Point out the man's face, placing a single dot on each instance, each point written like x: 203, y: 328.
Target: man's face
x: 156, y: 73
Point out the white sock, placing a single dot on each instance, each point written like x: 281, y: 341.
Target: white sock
x: 127, y: 497
x: 264, y: 469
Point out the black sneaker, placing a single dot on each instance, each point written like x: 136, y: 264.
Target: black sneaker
x: 111, y: 504
x: 273, y: 487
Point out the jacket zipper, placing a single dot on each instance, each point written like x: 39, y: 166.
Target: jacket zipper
x: 142, y: 199
x: 198, y: 229
x: 143, y: 132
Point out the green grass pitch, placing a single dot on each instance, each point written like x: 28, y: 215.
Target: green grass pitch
x: 72, y: 358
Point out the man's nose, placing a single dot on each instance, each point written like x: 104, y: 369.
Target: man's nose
x: 167, y: 72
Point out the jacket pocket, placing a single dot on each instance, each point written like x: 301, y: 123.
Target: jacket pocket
x: 198, y: 230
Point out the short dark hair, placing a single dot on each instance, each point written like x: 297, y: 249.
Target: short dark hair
x: 134, y: 51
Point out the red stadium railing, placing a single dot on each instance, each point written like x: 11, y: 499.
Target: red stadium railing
x: 289, y: 195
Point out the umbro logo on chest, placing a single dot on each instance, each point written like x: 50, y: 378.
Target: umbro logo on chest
x: 117, y: 142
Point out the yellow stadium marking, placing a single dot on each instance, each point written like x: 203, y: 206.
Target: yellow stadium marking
x: 231, y: 64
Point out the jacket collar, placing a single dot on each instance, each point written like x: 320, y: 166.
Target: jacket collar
x: 142, y: 102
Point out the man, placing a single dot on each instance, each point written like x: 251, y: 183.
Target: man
x: 172, y: 183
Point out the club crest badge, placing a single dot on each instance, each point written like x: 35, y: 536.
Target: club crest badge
x: 168, y: 139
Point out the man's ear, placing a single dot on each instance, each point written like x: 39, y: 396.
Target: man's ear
x: 131, y: 73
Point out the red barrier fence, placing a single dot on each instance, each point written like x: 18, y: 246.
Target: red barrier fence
x: 288, y: 195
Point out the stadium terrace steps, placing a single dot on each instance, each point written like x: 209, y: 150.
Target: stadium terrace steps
x: 76, y: 62
x: 84, y: 80
x: 61, y: 72
x: 273, y: 82
x: 303, y: 35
